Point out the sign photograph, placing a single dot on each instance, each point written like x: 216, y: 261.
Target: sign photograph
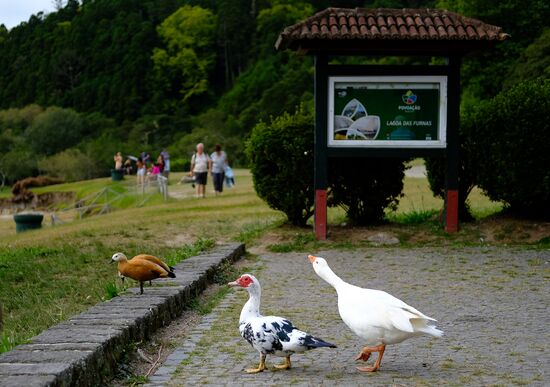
x: 387, y: 111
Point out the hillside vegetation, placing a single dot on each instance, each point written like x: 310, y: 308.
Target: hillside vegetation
x: 100, y: 76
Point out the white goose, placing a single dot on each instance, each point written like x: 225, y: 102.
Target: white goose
x: 270, y: 334
x: 374, y: 315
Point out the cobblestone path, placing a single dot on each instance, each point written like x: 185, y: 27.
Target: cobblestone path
x: 492, y: 303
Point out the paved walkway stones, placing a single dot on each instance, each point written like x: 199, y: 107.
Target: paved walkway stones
x: 492, y: 304
x: 82, y: 349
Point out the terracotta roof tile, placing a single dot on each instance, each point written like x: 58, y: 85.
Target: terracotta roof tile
x: 400, y: 21
x: 472, y: 34
x: 482, y: 34
x: 452, y: 32
x: 363, y: 24
x: 460, y: 31
x: 432, y: 33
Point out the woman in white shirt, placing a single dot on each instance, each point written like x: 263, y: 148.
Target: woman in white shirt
x: 219, y: 161
x: 200, y: 166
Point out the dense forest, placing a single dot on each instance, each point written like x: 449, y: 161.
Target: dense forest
x: 100, y: 76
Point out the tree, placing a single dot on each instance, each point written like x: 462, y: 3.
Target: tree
x: 235, y: 36
x: 183, y: 65
x: 484, y: 75
x: 54, y: 130
x: 534, y: 62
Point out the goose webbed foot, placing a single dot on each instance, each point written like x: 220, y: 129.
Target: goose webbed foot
x: 365, y: 355
x: 261, y: 366
x: 286, y: 365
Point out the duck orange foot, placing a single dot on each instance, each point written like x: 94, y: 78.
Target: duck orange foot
x: 365, y: 355
x: 261, y: 366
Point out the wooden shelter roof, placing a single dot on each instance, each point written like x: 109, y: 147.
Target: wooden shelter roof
x: 387, y: 30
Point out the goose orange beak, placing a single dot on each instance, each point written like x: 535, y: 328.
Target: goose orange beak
x: 312, y: 258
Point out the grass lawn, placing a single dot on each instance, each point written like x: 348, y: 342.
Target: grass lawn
x: 50, y: 274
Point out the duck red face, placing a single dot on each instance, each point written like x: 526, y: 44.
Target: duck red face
x: 244, y: 281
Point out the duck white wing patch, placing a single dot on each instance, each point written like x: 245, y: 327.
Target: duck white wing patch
x: 400, y: 319
x: 268, y: 334
x: 277, y: 335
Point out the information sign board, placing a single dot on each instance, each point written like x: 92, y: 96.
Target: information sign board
x: 387, y: 111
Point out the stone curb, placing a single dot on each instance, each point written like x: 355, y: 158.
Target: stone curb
x: 86, y: 348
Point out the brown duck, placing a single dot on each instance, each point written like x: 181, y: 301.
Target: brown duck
x: 142, y: 268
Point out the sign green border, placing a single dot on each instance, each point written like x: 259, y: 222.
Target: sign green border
x: 387, y: 111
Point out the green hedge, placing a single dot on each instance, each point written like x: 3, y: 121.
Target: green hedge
x: 281, y: 158
x: 509, y: 144
x: 364, y: 187
x: 281, y: 155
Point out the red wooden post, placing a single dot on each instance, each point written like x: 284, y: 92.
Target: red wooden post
x: 451, y: 223
x: 321, y: 214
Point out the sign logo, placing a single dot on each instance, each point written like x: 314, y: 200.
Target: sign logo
x: 409, y: 97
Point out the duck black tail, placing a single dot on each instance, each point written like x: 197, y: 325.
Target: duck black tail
x: 314, y: 342
x: 171, y: 274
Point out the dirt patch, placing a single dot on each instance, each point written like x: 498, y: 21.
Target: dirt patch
x: 498, y: 230
x: 180, y: 240
x: 270, y: 238
x: 40, y: 201
x: 504, y: 230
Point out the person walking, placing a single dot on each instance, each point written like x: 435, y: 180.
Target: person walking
x: 140, y: 174
x: 219, y: 161
x: 160, y: 163
x: 200, y: 166
x: 166, y: 157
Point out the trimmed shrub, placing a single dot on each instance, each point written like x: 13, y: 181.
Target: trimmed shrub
x: 365, y: 187
x: 281, y: 157
x: 70, y: 165
x: 509, y: 142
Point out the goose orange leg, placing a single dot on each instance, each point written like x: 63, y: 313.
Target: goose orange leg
x: 286, y: 365
x: 260, y: 368
x: 365, y: 355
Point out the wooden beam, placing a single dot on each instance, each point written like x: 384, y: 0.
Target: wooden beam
x: 453, y: 146
x: 320, y: 153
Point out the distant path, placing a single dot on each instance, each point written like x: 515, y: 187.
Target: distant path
x: 492, y: 304
x: 416, y: 171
